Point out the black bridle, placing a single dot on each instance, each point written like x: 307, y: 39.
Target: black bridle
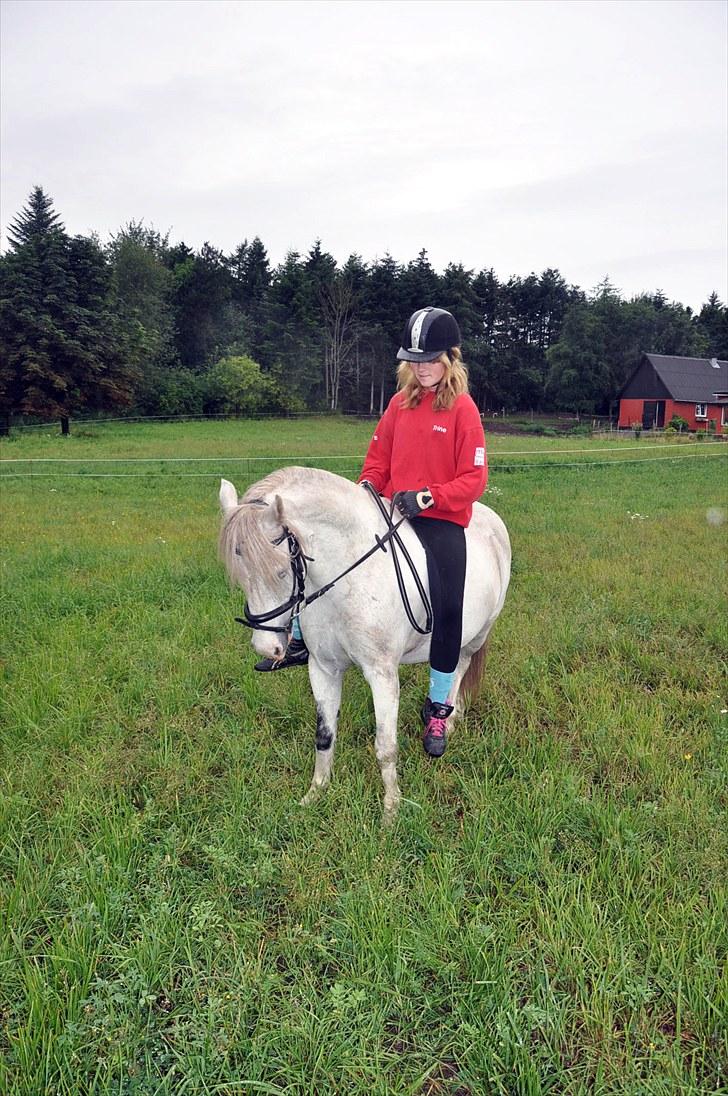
x: 298, y: 561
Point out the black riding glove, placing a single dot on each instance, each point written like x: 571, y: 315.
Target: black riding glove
x: 412, y: 503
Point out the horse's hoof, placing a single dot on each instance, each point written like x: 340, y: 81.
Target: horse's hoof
x: 311, y: 796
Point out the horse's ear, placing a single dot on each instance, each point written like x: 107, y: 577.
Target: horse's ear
x: 278, y: 507
x: 228, y: 496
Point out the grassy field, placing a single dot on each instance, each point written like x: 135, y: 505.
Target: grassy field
x: 549, y: 913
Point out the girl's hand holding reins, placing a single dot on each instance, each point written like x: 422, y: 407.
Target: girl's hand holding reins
x: 412, y: 503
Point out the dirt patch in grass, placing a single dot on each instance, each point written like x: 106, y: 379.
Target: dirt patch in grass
x: 445, y: 1078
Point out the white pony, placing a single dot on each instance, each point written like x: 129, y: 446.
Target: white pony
x: 360, y: 619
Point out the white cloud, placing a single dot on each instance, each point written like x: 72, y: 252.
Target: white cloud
x: 585, y: 136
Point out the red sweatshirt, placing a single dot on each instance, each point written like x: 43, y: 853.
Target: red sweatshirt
x: 416, y: 447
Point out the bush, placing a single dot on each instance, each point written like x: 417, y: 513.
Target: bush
x: 170, y: 392
x: 636, y: 428
x: 678, y: 424
x: 238, y: 386
x: 582, y: 429
x: 235, y: 385
x: 540, y: 430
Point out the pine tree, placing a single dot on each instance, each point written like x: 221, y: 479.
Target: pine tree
x: 480, y: 351
x: 293, y: 345
x: 579, y: 375
x: 712, y: 323
x: 251, y: 275
x: 420, y: 285
x: 388, y: 315
x: 458, y: 296
x: 255, y: 272
x: 58, y: 349
x: 141, y: 287
x: 356, y: 272
x: 206, y: 325
x: 36, y: 222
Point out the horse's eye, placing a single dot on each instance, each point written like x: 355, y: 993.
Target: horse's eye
x: 282, y: 574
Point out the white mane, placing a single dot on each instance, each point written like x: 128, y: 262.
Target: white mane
x: 246, y: 529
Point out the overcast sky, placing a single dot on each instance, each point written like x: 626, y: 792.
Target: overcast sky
x: 587, y: 136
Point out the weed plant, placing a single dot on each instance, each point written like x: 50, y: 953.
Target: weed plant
x: 548, y: 914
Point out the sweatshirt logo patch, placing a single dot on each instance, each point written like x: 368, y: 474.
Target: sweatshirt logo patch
x: 479, y: 459
x: 440, y: 429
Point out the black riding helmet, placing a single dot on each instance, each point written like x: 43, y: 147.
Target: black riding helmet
x: 428, y: 333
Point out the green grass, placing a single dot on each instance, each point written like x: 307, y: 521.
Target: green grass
x: 547, y: 916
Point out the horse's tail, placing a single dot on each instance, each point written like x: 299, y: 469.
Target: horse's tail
x: 473, y: 675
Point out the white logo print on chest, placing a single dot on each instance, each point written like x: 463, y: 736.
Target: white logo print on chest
x: 440, y: 429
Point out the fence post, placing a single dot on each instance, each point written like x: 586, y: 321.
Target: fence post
x: 65, y: 425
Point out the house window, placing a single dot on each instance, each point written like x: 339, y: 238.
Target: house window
x: 701, y: 410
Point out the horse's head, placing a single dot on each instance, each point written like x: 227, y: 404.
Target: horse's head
x: 254, y: 550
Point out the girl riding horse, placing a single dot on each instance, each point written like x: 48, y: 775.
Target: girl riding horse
x: 428, y: 455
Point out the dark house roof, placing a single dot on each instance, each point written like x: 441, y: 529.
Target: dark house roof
x: 664, y: 376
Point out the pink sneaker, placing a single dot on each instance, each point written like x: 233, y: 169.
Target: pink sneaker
x: 435, y: 716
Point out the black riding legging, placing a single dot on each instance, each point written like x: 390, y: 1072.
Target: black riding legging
x: 444, y: 544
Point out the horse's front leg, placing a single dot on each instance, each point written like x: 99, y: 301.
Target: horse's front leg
x: 326, y: 687
x: 385, y: 693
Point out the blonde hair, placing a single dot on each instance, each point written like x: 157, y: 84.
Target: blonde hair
x: 453, y: 384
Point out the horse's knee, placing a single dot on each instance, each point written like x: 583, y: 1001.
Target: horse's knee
x: 386, y: 755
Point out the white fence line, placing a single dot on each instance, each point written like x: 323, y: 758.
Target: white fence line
x: 493, y: 456
x: 163, y: 460
x: 494, y: 467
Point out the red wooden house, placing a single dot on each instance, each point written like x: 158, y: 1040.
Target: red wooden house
x: 662, y: 385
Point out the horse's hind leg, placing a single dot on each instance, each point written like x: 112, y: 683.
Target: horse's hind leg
x: 385, y: 693
x: 456, y: 697
x: 326, y: 687
x: 467, y: 678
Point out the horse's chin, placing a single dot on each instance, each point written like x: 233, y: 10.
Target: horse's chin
x: 269, y: 644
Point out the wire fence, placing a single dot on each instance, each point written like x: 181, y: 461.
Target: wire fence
x: 27, y: 467
x: 209, y: 416
x: 323, y: 457
x: 562, y: 421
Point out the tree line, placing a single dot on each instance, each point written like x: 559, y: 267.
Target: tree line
x: 142, y: 325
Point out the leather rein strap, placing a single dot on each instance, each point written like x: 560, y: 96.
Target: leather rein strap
x: 298, y: 600
x: 397, y: 543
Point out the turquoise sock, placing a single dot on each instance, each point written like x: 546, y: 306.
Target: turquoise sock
x: 295, y: 629
x: 440, y: 686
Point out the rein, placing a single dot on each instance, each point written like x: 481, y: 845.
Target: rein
x: 298, y: 600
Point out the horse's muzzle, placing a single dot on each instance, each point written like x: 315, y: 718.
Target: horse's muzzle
x: 269, y: 644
